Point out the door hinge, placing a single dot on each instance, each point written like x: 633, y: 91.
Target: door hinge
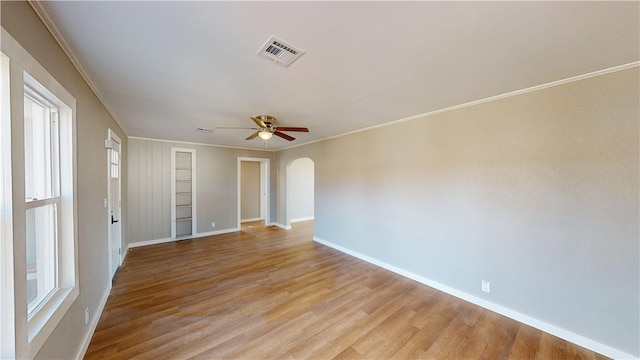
x: 119, y: 251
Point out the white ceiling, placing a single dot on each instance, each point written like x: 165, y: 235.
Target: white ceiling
x: 167, y: 68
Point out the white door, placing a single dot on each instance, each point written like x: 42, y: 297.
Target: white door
x: 114, y: 207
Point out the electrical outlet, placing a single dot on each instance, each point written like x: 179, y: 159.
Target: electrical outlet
x: 213, y: 224
x: 86, y: 316
x: 486, y: 286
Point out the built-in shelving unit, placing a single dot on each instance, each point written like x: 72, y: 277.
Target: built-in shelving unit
x: 183, y: 188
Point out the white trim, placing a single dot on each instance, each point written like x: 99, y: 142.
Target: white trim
x: 151, y: 242
x: 7, y: 297
x: 288, y: 191
x: 285, y: 227
x: 265, y: 175
x: 93, y: 324
x: 114, y: 143
x: 30, y: 334
x: 124, y: 253
x: 302, y: 219
x: 264, y: 204
x: 480, y: 101
x: 512, y: 314
x: 198, y: 144
x: 57, y: 35
x: 44, y: 16
x: 251, y: 220
x: 167, y: 240
x: 194, y: 228
x: 429, y: 113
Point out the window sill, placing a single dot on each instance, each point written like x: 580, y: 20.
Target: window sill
x: 42, y: 324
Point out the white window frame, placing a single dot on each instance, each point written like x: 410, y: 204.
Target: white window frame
x: 52, y: 182
x: 7, y: 322
x: 31, y: 332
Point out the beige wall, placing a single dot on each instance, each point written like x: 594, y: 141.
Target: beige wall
x: 536, y: 193
x: 250, y: 190
x: 93, y: 121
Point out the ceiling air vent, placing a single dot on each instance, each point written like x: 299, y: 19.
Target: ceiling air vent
x: 280, y: 52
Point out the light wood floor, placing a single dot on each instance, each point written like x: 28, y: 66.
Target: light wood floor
x: 270, y: 293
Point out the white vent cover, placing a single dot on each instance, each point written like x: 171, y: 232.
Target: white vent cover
x: 279, y: 51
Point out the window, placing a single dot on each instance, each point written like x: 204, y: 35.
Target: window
x: 39, y: 268
x: 42, y: 197
x: 114, y: 163
x: 49, y: 239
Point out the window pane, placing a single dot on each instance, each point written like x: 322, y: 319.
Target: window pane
x: 37, y: 151
x: 41, y: 254
x: 115, y: 159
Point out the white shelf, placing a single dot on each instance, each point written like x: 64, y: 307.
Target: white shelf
x: 183, y: 224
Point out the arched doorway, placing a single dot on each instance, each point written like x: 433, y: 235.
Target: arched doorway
x: 300, y: 190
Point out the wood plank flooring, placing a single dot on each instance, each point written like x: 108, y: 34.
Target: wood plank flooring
x: 267, y: 293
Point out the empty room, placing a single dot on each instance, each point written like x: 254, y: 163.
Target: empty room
x: 319, y: 180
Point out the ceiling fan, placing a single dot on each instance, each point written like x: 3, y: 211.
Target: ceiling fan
x: 267, y: 128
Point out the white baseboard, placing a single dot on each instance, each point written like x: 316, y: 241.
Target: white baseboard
x: 217, y: 232
x: 520, y: 317
x: 282, y: 226
x: 166, y: 240
x: 93, y: 324
x: 150, y: 242
x: 124, y: 254
x: 251, y: 220
x: 301, y: 219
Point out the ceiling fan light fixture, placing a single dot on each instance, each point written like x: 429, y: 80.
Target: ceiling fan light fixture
x: 265, y: 134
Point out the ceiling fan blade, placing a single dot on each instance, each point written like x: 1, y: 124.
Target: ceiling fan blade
x: 232, y: 127
x: 283, y: 135
x: 284, y: 128
x: 259, y: 122
x: 252, y: 135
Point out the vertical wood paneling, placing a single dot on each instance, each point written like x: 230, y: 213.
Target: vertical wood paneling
x: 165, y: 194
x: 156, y: 180
x: 149, y: 187
x: 132, y: 191
x: 142, y: 202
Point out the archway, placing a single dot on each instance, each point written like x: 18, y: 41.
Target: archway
x: 300, y: 190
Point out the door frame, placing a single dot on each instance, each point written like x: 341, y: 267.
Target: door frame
x: 265, y: 188
x: 174, y: 225
x: 110, y: 143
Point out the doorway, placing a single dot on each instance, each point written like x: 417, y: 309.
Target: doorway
x: 114, y: 210
x: 256, y: 173
x: 300, y: 191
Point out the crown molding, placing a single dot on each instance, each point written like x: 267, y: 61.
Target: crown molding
x: 481, y: 101
x: 199, y: 144
x: 57, y: 35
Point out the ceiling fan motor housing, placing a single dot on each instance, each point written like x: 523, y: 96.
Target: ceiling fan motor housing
x: 268, y: 120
